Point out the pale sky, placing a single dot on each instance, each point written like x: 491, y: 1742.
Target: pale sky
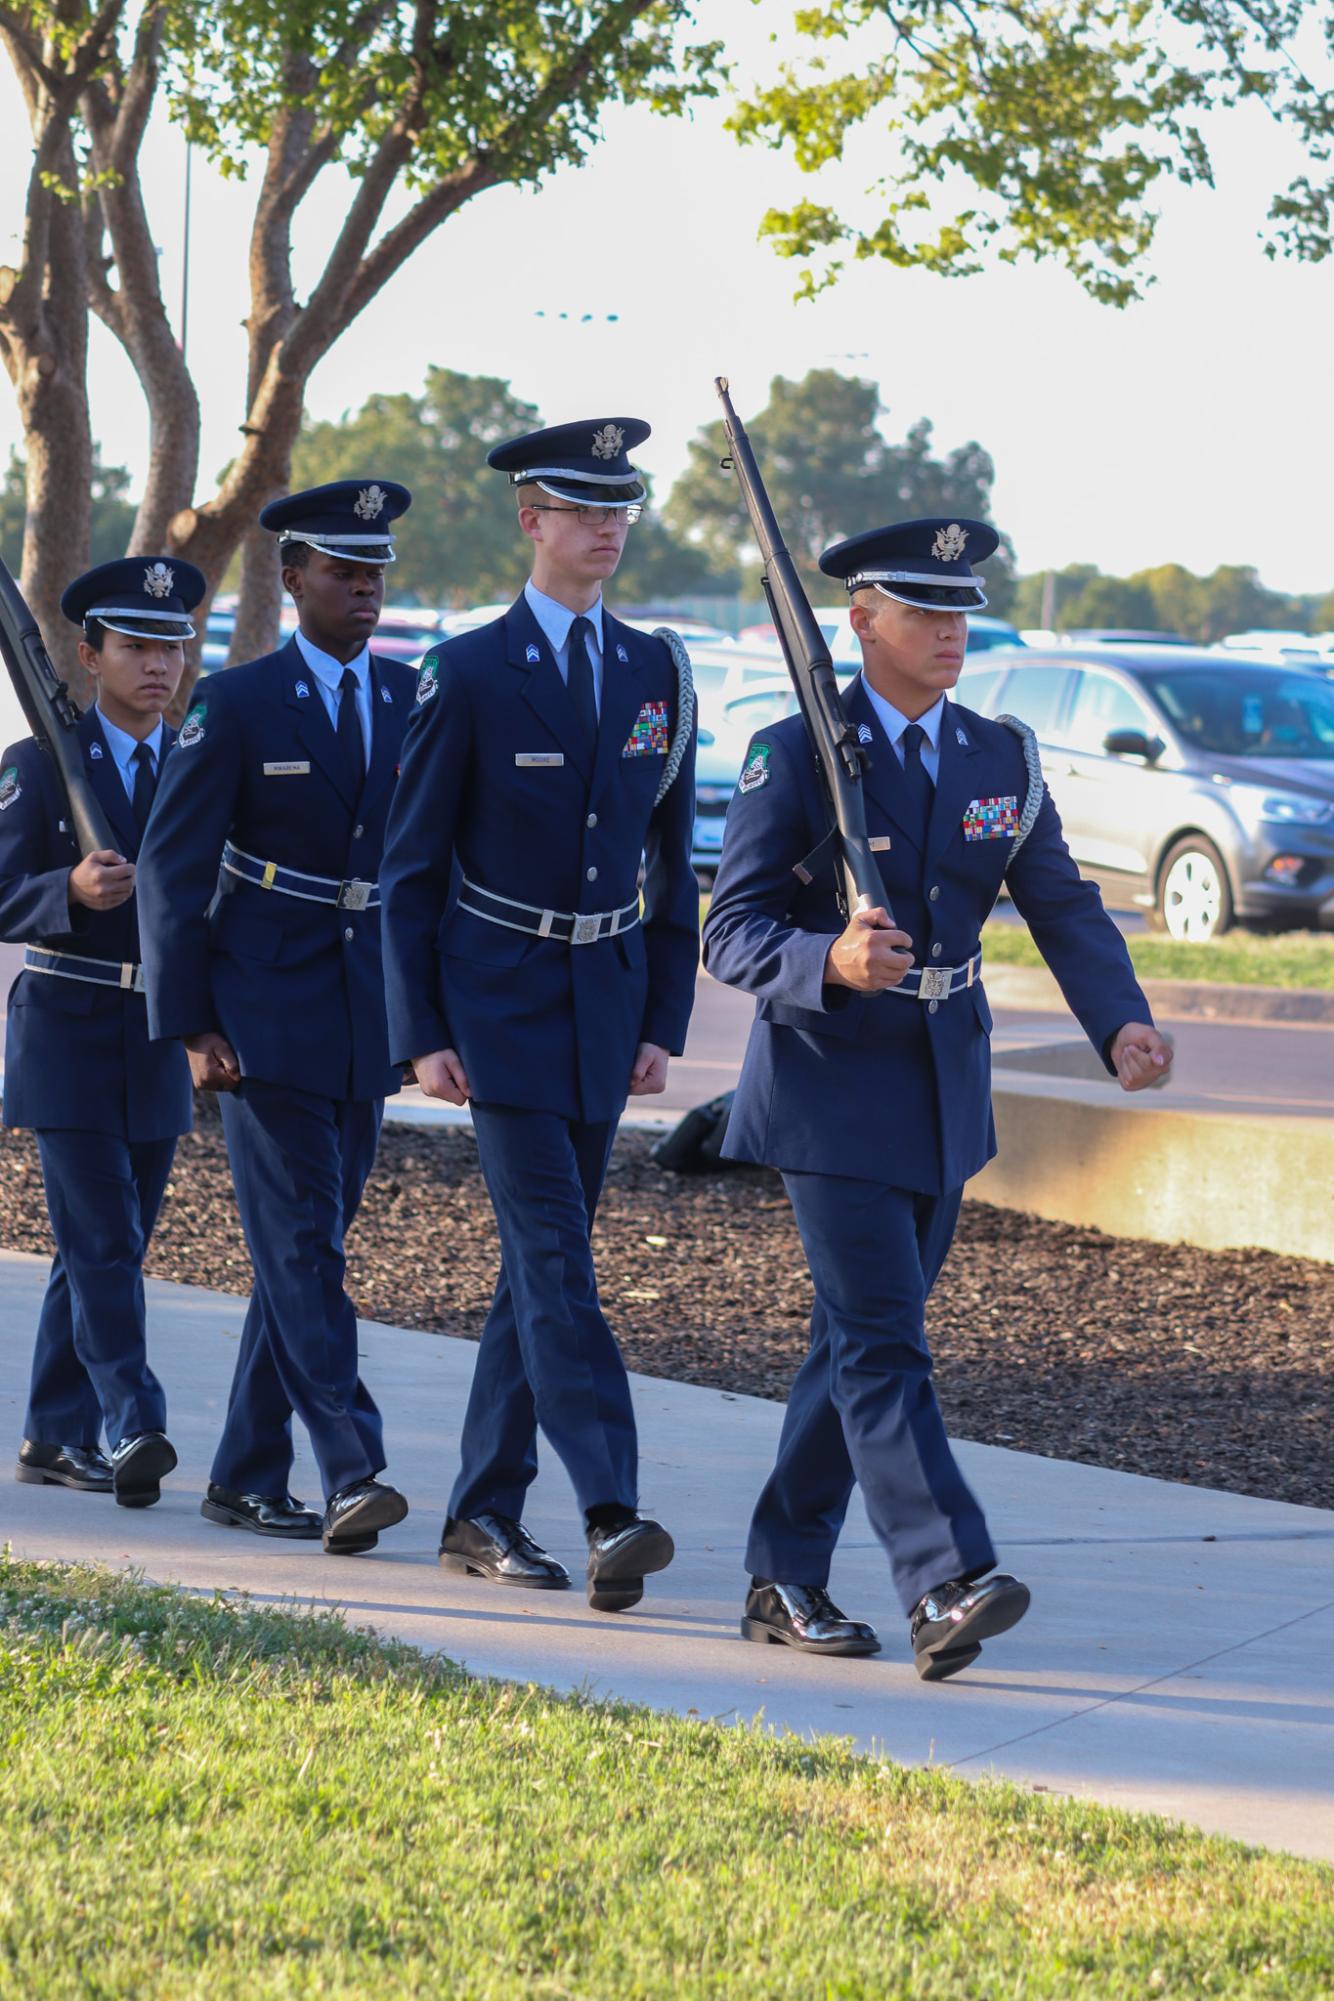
x: 1193, y: 428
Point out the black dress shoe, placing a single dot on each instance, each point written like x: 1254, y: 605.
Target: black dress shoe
x: 500, y: 1548
x: 265, y: 1514
x: 83, y: 1467
x: 356, y: 1514
x: 803, y: 1616
x: 139, y: 1465
x: 950, y: 1623
x: 621, y: 1553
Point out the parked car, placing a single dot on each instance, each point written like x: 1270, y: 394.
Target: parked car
x: 1196, y: 786
x: 1112, y: 635
x: 1273, y: 645
x: 984, y: 632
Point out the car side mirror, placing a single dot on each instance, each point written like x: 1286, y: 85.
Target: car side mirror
x: 1132, y: 743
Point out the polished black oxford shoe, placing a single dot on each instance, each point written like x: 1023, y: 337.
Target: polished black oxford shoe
x: 139, y: 1465
x: 263, y: 1514
x: 501, y: 1549
x: 83, y: 1467
x: 622, y: 1551
x: 803, y: 1616
x: 950, y: 1623
x: 356, y: 1514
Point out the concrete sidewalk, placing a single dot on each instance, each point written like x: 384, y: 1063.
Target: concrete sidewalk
x: 1177, y: 1657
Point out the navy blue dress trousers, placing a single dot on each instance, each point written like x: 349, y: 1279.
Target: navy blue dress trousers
x: 507, y: 799
x: 876, y: 1108
x: 106, y: 1103
x: 294, y: 983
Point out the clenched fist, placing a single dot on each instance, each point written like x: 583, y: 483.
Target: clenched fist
x: 870, y: 955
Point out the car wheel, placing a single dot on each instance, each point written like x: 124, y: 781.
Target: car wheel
x: 1194, y: 894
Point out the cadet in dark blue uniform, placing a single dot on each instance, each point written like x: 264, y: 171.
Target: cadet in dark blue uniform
x: 262, y: 953
x: 867, y: 1079
x: 550, y: 752
x: 107, y: 1105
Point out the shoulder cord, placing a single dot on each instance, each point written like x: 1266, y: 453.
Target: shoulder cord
x: 685, y: 708
x: 1033, y: 796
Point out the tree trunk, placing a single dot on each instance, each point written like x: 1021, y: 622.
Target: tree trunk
x: 59, y: 511
x: 50, y: 369
x: 261, y: 601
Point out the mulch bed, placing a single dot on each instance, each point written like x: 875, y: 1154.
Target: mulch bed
x: 1210, y: 1367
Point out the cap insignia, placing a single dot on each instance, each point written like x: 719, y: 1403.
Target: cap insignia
x: 608, y: 441
x: 159, y: 580
x: 370, y: 503
x: 948, y: 545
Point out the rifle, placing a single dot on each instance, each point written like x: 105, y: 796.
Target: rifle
x: 839, y: 757
x: 52, y: 716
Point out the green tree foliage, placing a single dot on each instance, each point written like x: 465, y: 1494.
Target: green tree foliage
x: 1169, y: 599
x: 113, y: 513
x: 424, y: 105
x: 1039, y: 129
x: 459, y: 544
x: 830, y: 472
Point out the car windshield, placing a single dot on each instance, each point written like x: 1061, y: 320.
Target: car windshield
x: 1234, y: 713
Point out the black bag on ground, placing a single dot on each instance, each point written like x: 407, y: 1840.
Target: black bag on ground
x: 692, y: 1146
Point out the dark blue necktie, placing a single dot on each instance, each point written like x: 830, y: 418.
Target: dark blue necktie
x: 349, y: 732
x: 580, y: 683
x: 145, y: 785
x: 917, y: 780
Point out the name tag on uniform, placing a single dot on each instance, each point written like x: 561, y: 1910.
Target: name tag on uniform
x: 295, y: 768
x: 541, y: 760
x: 879, y: 844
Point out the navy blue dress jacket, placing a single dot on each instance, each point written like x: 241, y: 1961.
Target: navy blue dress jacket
x: 77, y: 1056
x: 296, y: 987
x: 538, y: 1022
x: 882, y: 1087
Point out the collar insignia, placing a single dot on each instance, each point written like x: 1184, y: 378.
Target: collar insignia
x: 608, y: 441
x: 370, y: 503
x: 864, y: 734
x: 302, y: 690
x: 159, y: 580
x: 94, y: 750
x: 622, y: 655
x: 948, y: 545
x: 532, y: 653
x: 385, y: 695
x: 959, y: 737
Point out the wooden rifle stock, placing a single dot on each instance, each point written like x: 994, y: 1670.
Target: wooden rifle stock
x: 839, y: 756
x: 51, y: 715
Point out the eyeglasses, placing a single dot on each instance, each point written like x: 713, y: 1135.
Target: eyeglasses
x: 593, y: 517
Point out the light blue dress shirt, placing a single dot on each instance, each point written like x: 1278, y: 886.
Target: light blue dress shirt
x: 123, y: 746
x: 329, y: 673
x: 893, y: 724
x: 555, y: 621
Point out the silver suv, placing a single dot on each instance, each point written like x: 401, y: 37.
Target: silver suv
x: 1195, y: 786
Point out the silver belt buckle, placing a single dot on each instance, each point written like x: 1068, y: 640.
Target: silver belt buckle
x: 935, y: 983
x: 354, y: 895
x: 587, y: 930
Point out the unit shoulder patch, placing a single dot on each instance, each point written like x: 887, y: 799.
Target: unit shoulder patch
x: 428, y: 681
x: 757, y: 770
x: 10, y: 789
x: 192, y: 729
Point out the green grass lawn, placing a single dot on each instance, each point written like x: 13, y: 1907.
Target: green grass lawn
x: 1238, y: 958
x: 204, y: 1801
